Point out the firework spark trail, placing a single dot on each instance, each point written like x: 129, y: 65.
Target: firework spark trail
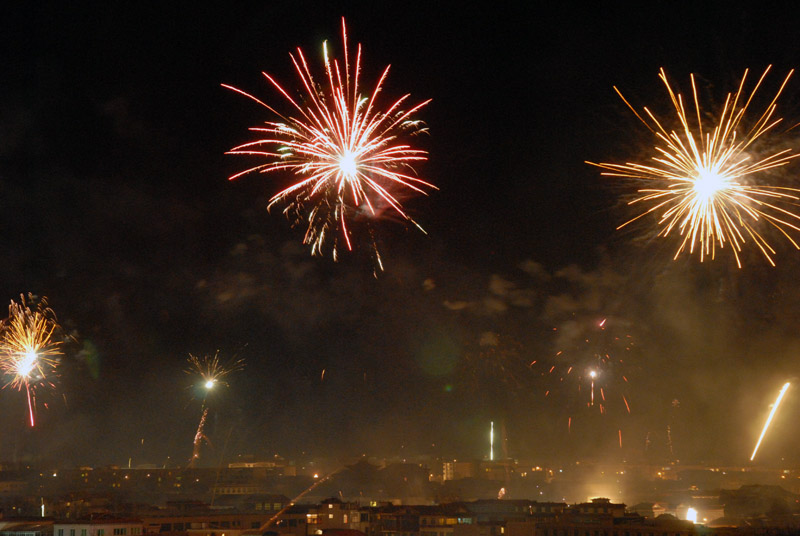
x: 28, y: 349
x: 212, y: 372
x: 199, y: 437
x: 342, y: 146
x: 769, y: 418
x: 283, y: 510
x: 703, y: 183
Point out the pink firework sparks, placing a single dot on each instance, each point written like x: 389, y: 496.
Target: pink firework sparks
x: 343, y: 148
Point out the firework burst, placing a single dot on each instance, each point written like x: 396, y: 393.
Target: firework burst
x: 28, y: 349
x: 706, y: 181
x: 211, y: 372
x: 344, y: 150
x: 591, y: 374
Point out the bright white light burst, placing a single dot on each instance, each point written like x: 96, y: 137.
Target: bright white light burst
x: 708, y: 184
x: 348, y: 165
x: 27, y: 363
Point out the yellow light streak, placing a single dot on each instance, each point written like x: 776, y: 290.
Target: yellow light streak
x: 769, y: 418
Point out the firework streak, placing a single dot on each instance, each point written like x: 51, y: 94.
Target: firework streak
x: 769, y: 418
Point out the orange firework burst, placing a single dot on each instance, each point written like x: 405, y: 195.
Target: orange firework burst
x: 707, y: 181
x: 342, y: 146
x: 28, y: 349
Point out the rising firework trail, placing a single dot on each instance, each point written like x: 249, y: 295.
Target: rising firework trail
x: 769, y: 418
x: 212, y: 373
x: 302, y: 494
x: 344, y: 150
x: 199, y: 437
x: 29, y: 349
x: 707, y: 182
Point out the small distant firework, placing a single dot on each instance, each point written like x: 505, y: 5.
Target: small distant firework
x: 343, y: 148
x: 595, y: 364
x: 211, y: 372
x: 707, y: 181
x: 769, y: 418
x: 29, y: 348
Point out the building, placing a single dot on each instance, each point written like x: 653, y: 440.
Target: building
x: 334, y: 514
x: 100, y: 526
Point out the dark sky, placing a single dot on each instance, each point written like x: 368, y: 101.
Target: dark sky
x: 115, y: 204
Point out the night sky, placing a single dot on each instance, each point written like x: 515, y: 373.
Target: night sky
x: 115, y: 204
